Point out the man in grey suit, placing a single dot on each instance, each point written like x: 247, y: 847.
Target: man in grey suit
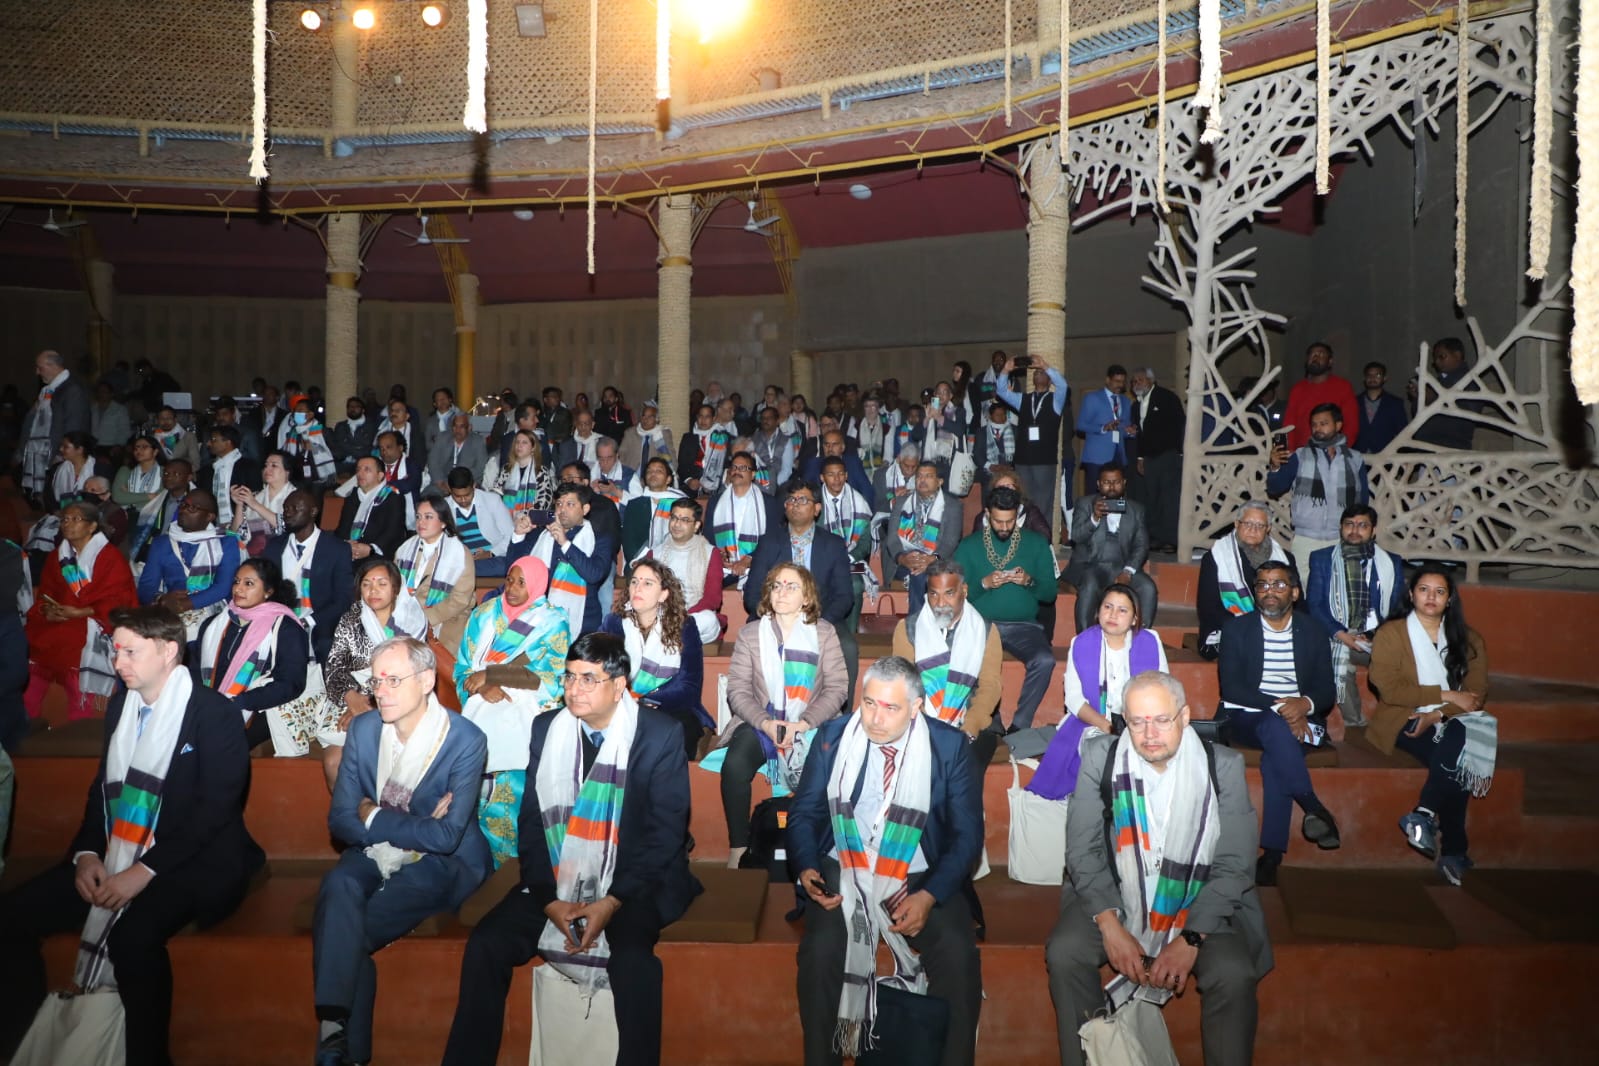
x: 925, y: 527
x: 459, y: 447
x: 62, y: 407
x: 1110, y: 542
x: 1198, y: 821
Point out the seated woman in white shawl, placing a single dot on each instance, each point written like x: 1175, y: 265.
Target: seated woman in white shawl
x: 522, y: 481
x: 1430, y: 671
x: 259, y: 515
x: 383, y: 611
x: 439, y: 572
x: 663, y: 649
x: 255, y: 652
x: 509, y: 670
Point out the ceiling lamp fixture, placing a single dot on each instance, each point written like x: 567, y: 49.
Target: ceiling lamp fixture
x: 530, y: 20
x: 715, y: 18
x: 434, y: 15
x: 311, y: 19
x: 363, y: 18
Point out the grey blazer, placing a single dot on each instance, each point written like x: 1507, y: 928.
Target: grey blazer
x: 1091, y: 544
x: 1227, y: 903
x: 746, y: 685
x: 474, y: 456
x: 949, y: 532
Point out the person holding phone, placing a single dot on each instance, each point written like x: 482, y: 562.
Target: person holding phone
x: 1430, y: 671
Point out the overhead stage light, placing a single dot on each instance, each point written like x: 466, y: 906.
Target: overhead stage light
x: 363, y: 18
x: 311, y: 19
x: 435, y: 15
x: 530, y: 20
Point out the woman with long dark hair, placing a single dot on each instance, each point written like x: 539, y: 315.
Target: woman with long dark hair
x: 664, y: 654
x: 1430, y: 671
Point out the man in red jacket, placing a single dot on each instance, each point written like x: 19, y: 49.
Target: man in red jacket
x: 1320, y: 386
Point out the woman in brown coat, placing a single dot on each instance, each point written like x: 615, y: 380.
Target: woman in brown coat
x: 787, y: 677
x: 1430, y: 672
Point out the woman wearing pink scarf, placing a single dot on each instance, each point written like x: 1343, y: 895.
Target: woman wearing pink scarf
x: 255, y: 654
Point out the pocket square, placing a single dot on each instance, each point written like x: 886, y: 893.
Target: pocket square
x: 186, y: 749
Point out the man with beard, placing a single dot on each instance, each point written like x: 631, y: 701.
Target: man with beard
x: 1321, y: 386
x: 1157, y: 446
x: 1276, y: 689
x: 1354, y: 587
x: 846, y: 515
x: 1103, y: 422
x: 1110, y: 544
x: 1227, y: 573
x: 1326, y: 476
x: 353, y: 437
x: 1010, y: 573
x: 1382, y: 414
x: 647, y: 439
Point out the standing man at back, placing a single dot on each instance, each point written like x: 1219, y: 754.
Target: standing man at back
x: 1103, y: 422
x: 1157, y: 430
x: 62, y: 407
x: 1320, y: 386
x: 1040, y: 414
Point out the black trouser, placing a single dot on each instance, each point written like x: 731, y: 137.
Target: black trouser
x: 948, y: 950
x: 1441, y: 793
x: 508, y: 937
x: 50, y: 904
x: 743, y: 761
x: 1159, y: 489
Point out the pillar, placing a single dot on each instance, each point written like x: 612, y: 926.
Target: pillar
x: 1048, y: 204
x: 346, y: 89
x: 344, y: 302
x: 802, y: 377
x: 1048, y: 33
x: 102, y: 292
x: 674, y: 283
x: 466, y: 340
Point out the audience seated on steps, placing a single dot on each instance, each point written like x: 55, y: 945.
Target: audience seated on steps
x: 481, y: 520
x: 508, y: 671
x: 254, y: 652
x: 595, y: 890
x: 173, y: 746
x: 191, y: 567
x: 382, y: 611
x: 319, y: 567
x: 1276, y: 691
x: 1110, y: 545
x: 1010, y: 572
x: 925, y: 526
x: 579, y: 558
x: 698, y: 568
x: 438, y: 571
x: 666, y: 659
x: 785, y: 679
x: 403, y: 807
x: 1430, y: 671
x: 1174, y: 811
x: 886, y: 829
x: 1227, y: 573
x: 1354, y: 585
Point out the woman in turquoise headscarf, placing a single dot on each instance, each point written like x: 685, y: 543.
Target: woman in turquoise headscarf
x: 509, y: 670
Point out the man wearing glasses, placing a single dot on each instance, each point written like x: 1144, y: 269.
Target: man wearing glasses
x: 405, y: 804
x: 1276, y: 690
x: 1227, y: 573
x: 1161, y: 802
x: 740, y: 514
x: 596, y: 890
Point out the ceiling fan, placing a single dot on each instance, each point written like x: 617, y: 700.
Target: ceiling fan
x: 755, y: 224
x: 423, y: 238
x: 65, y: 226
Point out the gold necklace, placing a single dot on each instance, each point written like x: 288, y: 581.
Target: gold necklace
x: 1014, y: 544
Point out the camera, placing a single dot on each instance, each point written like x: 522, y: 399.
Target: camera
x: 1116, y: 506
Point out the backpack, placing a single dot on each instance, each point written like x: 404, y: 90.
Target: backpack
x: 768, y: 837
x: 1105, y: 790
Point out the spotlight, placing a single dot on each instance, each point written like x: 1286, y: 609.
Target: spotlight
x: 311, y: 19
x: 435, y: 15
x: 363, y: 18
x: 530, y: 20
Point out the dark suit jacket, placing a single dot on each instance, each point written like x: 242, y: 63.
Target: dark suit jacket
x: 1318, y: 596
x: 1162, y: 430
x: 385, y: 525
x: 680, y: 692
x: 1095, y: 545
x: 854, y: 471
x: 953, y: 837
x: 774, y: 510
x: 246, y: 472
x: 1212, y: 615
x: 593, y: 569
x: 949, y: 532
x: 201, y: 836
x: 69, y: 410
x: 332, y: 584
x: 1243, y: 650
x: 1392, y: 417
x: 456, y: 769
x: 829, y: 565
x: 348, y: 445
x: 653, y: 840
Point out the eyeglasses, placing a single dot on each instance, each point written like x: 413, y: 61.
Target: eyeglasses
x: 787, y: 586
x: 584, y: 682
x: 1254, y: 525
x: 742, y: 468
x: 799, y: 501
x: 1272, y: 586
x: 1145, y: 725
x: 390, y: 683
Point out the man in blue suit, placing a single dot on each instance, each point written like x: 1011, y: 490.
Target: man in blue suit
x: 618, y: 918
x: 824, y: 554
x: 1354, y: 587
x: 1103, y: 420
x: 405, y: 804
x: 890, y: 763
x: 191, y: 567
x: 317, y: 564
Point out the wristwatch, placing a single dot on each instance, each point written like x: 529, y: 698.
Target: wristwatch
x: 1193, y: 939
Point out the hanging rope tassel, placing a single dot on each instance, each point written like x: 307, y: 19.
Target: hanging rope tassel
x: 1323, y: 97
x: 476, y: 118
x: 1462, y: 133
x: 1160, y: 110
x: 1584, y: 255
x: 1540, y: 220
x: 1007, y: 64
x: 663, y: 65
x: 1208, y: 94
x: 258, y: 134
x: 594, y: 87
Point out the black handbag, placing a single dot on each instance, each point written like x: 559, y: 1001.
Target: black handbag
x: 910, y: 1029
x: 768, y: 836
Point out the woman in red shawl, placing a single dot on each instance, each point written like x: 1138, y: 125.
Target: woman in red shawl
x: 69, y: 625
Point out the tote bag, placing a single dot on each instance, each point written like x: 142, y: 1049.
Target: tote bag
x: 1037, y: 832
x: 75, y: 1030
x: 962, y: 472
x: 1135, y: 1035
x: 567, y: 1029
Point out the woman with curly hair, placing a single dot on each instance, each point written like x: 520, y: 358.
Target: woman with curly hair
x: 666, y: 661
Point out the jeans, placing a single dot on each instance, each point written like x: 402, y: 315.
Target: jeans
x: 1441, y: 793
x: 1284, y: 778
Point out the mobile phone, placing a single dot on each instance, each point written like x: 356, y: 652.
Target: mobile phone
x: 815, y: 884
x: 1116, y: 506
x: 575, y: 928
x: 782, y: 733
x: 1279, y: 440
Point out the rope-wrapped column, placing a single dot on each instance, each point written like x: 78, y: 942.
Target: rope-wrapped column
x: 1584, y: 255
x: 102, y: 291
x: 344, y: 304
x: 675, y: 287
x: 1049, y: 218
x: 1048, y: 21
x: 346, y: 89
x: 466, y: 309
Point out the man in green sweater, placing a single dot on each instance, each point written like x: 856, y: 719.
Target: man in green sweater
x: 1010, y: 573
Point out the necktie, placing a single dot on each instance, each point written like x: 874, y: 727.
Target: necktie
x: 889, y: 752
x: 599, y: 740
x: 144, y: 717
x: 299, y: 550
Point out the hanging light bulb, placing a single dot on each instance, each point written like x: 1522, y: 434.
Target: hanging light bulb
x: 363, y: 18
x: 434, y: 15
x: 311, y: 19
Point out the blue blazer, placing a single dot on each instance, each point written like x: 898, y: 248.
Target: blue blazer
x: 202, y: 836
x: 163, y: 572
x: 1098, y: 448
x: 653, y: 840
x: 1243, y: 653
x: 332, y: 585
x: 682, y: 692
x: 593, y: 569
x: 457, y: 769
x: 1319, y: 599
x: 951, y: 841
x: 829, y: 565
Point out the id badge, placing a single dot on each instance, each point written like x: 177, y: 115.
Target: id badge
x: 1032, y: 433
